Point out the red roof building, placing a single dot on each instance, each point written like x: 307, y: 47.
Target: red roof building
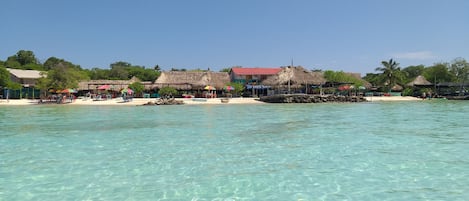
x: 252, y: 75
x: 255, y: 71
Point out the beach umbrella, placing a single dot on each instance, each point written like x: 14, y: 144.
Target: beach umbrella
x: 229, y: 88
x: 127, y: 91
x: 68, y: 91
x: 344, y: 87
x: 104, y: 87
x: 210, y: 88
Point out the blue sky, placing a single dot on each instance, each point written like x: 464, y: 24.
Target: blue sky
x: 352, y: 36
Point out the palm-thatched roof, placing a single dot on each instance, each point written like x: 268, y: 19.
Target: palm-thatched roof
x: 419, y: 81
x: 115, y: 84
x: 358, y: 76
x: 185, y: 80
x: 297, y: 76
x: 397, y: 88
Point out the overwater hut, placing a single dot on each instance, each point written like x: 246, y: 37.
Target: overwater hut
x: 295, y: 79
x: 192, y: 82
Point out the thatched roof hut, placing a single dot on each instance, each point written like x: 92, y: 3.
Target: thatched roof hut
x: 419, y: 81
x: 366, y: 84
x: 186, y: 80
x: 297, y: 76
x: 115, y: 84
x: 397, y: 88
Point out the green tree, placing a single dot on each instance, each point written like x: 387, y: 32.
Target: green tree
x: 138, y: 87
x: 63, y: 75
x: 227, y: 70
x: 167, y: 91
x: 4, y: 76
x: 342, y: 77
x: 438, y: 73
x: 177, y: 69
x: 150, y: 75
x: 460, y: 69
x: 14, y: 85
x: 142, y: 73
x: 5, y: 80
x: 412, y: 72
x: 157, y: 68
x: 24, y: 59
x: 121, y: 64
x: 51, y: 62
x: 118, y: 73
x: 98, y: 74
x: 391, y: 74
x: 373, y: 78
x: 123, y: 71
x: 238, y: 87
x: 12, y: 63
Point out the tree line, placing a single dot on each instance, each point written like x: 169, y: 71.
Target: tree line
x: 63, y: 74
x: 390, y: 73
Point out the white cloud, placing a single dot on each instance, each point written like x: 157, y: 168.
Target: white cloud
x: 422, y: 55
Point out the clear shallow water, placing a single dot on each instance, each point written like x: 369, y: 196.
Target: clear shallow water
x: 370, y: 151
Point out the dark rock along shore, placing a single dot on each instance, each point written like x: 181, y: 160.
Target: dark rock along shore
x: 307, y: 98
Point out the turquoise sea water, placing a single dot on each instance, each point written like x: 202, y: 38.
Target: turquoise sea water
x: 364, y: 151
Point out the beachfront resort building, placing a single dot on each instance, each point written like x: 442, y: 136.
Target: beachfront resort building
x: 295, y: 80
x: 111, y: 88
x: 252, y: 79
x: 27, y: 79
x: 194, y: 83
x: 252, y: 76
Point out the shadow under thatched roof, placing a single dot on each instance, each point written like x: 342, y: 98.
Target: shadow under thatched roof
x: 297, y: 76
x: 185, y: 80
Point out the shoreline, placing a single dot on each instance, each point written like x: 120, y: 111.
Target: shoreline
x: 187, y: 101
x: 134, y: 102
x: 391, y: 98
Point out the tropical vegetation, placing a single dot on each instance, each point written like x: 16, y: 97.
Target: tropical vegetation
x: 62, y: 74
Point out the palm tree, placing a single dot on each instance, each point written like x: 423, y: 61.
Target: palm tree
x: 391, y: 73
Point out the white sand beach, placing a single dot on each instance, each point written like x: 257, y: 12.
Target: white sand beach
x: 188, y: 101
x: 136, y: 101
x: 391, y: 98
